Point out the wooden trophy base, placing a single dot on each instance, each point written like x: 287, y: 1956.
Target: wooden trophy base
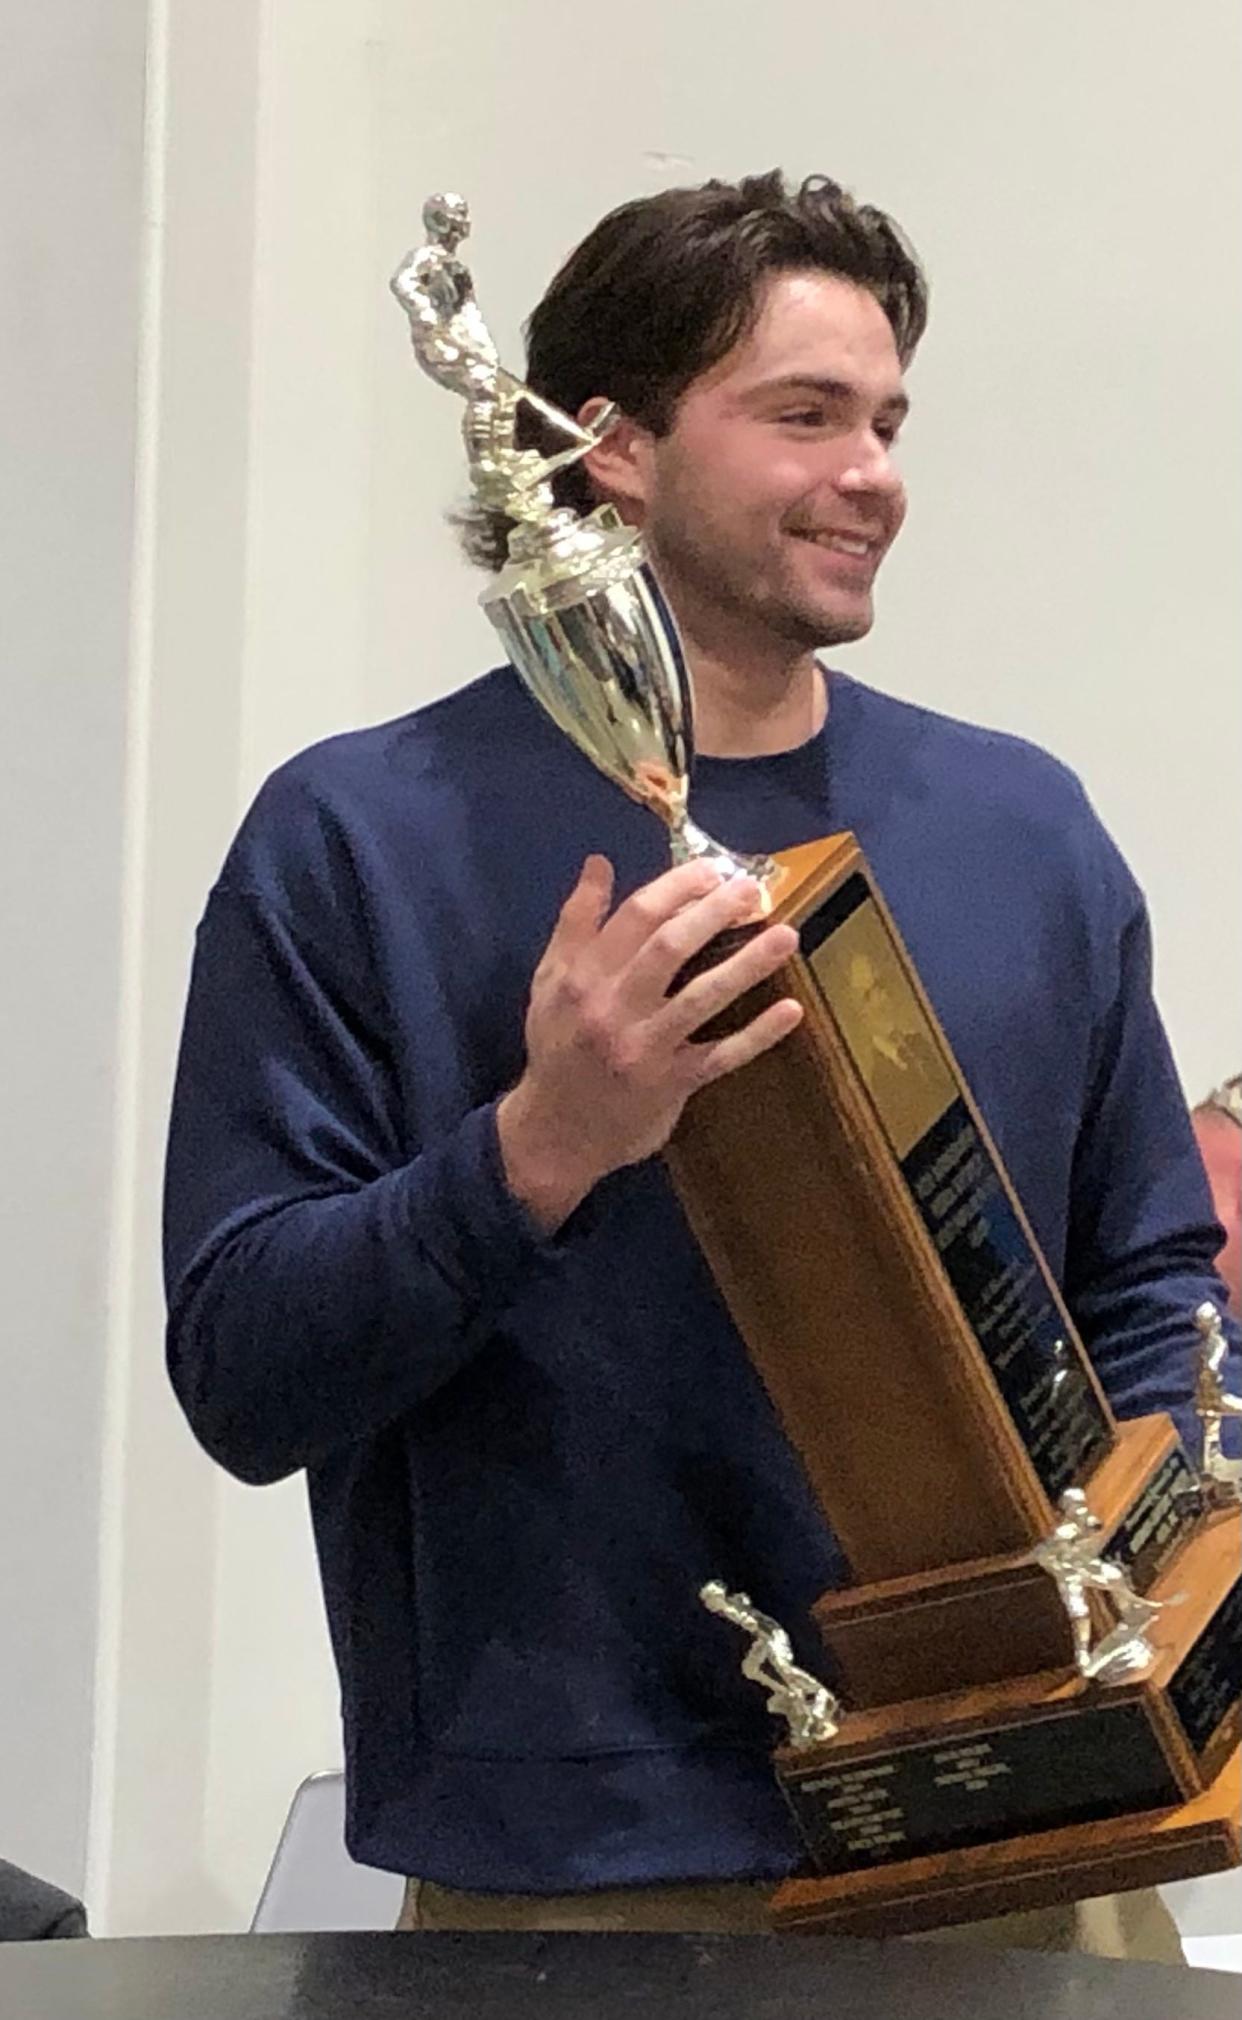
x: 1044, y: 1788
x: 995, y: 1618
x: 1007, y: 1876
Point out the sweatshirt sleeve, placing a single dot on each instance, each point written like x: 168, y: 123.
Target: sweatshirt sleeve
x: 1143, y: 1236
x: 320, y: 1280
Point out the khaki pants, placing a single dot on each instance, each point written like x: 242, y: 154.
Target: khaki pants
x: 1136, y: 1926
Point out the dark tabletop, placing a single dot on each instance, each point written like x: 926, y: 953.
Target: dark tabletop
x: 606, y: 1977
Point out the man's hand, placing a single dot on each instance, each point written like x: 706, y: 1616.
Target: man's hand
x: 611, y: 1060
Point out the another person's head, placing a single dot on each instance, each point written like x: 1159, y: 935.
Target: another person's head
x: 754, y: 338
x: 1218, y: 1129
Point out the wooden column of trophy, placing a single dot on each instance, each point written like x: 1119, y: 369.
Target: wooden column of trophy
x: 855, y: 1213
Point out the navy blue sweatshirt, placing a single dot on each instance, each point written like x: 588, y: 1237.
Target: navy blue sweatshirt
x: 525, y: 1456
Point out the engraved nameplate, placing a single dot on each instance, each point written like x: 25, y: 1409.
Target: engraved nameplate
x: 1158, y: 1523
x: 953, y: 1181
x: 1206, y: 1688
x: 942, y: 1794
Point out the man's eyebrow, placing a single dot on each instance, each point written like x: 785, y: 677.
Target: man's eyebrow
x: 827, y: 388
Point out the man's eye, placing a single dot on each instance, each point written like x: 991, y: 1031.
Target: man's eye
x: 803, y: 417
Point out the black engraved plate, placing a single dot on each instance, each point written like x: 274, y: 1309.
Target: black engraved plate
x: 1207, y: 1684
x: 1159, y: 1522
x: 944, y: 1794
x: 1004, y: 1295
x: 952, y: 1178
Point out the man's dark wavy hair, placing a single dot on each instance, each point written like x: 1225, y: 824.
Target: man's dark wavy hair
x: 666, y: 285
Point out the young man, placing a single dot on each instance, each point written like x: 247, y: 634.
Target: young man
x: 420, y: 1241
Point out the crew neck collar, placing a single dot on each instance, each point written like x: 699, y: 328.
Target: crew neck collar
x: 792, y: 763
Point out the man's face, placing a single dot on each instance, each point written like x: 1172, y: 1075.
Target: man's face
x: 773, y: 498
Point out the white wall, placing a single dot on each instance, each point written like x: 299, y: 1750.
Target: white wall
x: 71, y: 84
x: 1070, y: 174
x: 177, y: 1651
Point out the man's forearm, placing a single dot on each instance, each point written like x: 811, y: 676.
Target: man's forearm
x: 319, y: 1320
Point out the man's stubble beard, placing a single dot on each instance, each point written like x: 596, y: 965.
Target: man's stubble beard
x: 710, y: 585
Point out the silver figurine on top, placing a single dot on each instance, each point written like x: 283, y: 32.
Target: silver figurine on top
x: 577, y: 606
x: 811, y: 1712
x: 1071, y: 1556
x: 1220, y: 1478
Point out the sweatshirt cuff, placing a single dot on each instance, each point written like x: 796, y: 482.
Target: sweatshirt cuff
x: 485, y: 1238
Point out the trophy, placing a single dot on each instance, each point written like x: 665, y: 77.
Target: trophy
x: 1037, y: 1669
x: 578, y: 608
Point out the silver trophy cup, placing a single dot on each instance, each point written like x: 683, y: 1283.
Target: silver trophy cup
x: 577, y: 606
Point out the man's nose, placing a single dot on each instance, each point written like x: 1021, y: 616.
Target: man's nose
x: 871, y: 469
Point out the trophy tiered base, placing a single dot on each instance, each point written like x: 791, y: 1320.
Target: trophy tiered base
x: 857, y: 1217
x: 1078, y: 1862
x: 1041, y: 1788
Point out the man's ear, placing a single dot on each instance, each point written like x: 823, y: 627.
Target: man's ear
x: 620, y: 468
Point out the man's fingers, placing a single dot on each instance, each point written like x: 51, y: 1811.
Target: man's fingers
x: 647, y: 910
x: 669, y: 945
x: 708, y: 994
x: 712, y: 1062
x: 586, y: 906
